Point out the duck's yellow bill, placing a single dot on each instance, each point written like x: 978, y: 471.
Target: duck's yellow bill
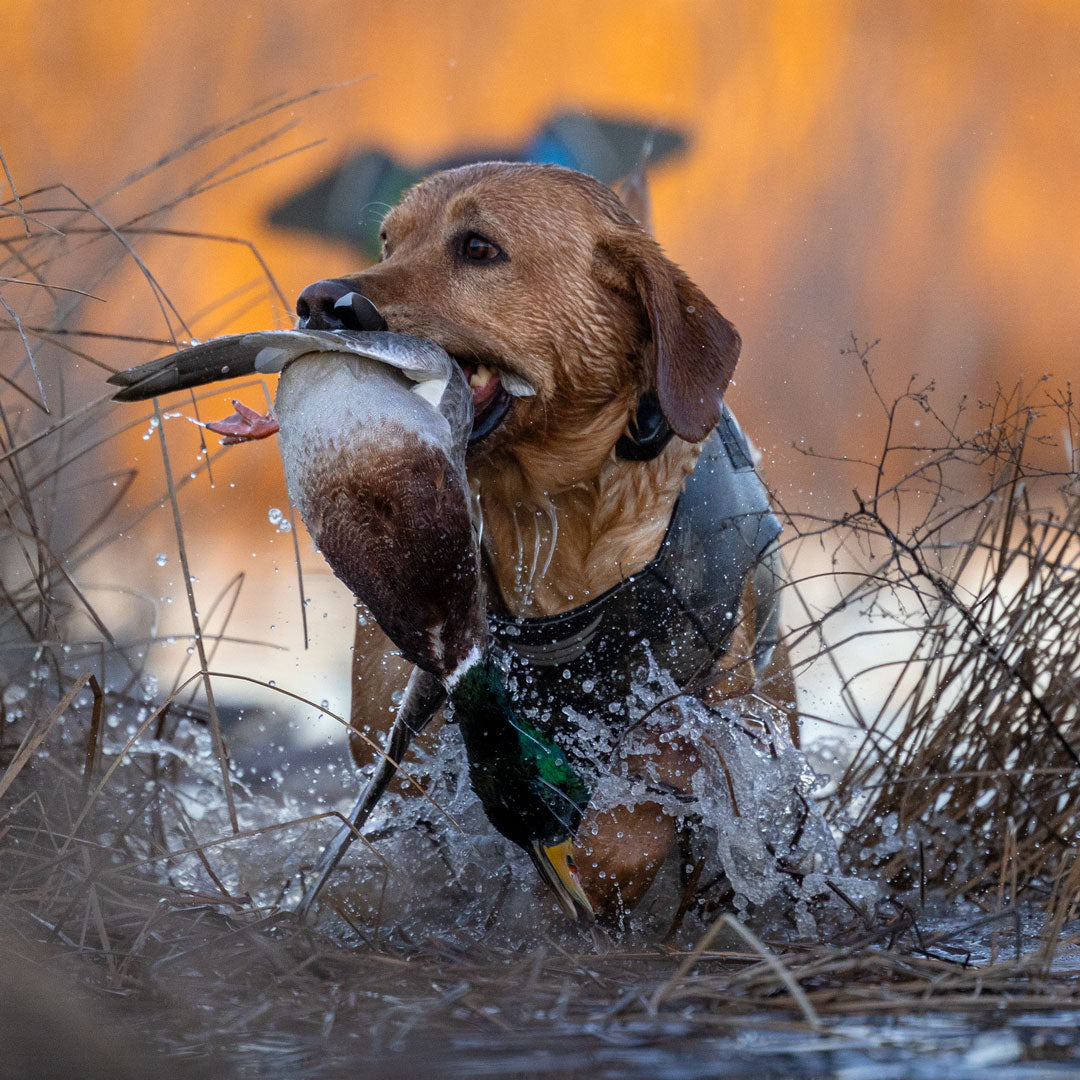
x: 557, y: 868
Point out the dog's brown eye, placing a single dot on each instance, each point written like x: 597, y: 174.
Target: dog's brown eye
x: 477, y: 248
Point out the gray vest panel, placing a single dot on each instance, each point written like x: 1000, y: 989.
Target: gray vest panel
x: 680, y: 608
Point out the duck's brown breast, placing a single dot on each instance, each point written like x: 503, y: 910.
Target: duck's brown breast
x: 382, y: 490
x: 392, y: 520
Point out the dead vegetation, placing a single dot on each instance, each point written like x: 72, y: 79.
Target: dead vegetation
x: 961, y: 549
x: 968, y: 544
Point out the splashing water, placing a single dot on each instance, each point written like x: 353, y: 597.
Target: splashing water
x: 750, y: 802
x: 432, y: 864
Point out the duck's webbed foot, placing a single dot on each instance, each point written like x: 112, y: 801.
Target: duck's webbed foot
x: 243, y: 426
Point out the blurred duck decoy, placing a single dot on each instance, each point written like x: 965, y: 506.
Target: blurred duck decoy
x: 373, y: 429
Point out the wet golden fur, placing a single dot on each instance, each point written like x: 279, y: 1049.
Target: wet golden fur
x: 585, y: 306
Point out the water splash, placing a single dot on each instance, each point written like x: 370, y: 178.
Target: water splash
x: 432, y: 864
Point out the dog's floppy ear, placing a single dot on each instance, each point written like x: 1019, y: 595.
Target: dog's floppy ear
x: 696, y: 347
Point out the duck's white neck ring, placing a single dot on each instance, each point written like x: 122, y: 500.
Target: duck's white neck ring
x: 473, y: 658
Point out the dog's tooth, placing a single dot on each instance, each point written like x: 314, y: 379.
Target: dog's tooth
x: 481, y: 377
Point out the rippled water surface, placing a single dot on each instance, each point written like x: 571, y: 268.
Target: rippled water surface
x: 931, y: 1046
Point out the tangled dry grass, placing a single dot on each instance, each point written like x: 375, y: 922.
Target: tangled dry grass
x: 961, y: 796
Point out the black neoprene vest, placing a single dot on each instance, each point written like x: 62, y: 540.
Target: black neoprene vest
x: 680, y: 608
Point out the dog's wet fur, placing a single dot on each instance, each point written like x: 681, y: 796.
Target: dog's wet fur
x: 544, y: 272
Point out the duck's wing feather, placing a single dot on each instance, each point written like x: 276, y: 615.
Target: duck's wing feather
x: 418, y: 358
x: 231, y: 357
x: 424, y: 694
x: 268, y: 351
x: 455, y: 402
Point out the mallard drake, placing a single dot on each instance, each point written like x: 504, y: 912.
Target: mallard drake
x: 523, y: 778
x: 373, y: 429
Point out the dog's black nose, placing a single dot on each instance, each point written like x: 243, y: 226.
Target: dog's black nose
x: 336, y: 305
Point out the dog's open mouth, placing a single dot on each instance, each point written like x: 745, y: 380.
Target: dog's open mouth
x: 493, y: 393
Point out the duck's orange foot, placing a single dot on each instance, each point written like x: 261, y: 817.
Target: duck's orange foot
x: 243, y: 426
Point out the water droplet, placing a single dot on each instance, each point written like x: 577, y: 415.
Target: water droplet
x: 14, y: 693
x: 275, y: 515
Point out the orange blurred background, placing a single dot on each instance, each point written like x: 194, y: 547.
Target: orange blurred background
x: 909, y: 172
x: 904, y: 171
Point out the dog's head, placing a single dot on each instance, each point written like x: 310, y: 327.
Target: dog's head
x: 535, y: 277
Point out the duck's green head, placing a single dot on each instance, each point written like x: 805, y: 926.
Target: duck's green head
x: 524, y: 780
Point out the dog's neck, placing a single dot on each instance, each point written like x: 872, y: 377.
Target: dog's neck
x: 561, y: 528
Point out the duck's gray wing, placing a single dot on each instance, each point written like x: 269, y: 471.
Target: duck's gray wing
x: 423, y: 696
x: 268, y: 351
x: 417, y: 357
